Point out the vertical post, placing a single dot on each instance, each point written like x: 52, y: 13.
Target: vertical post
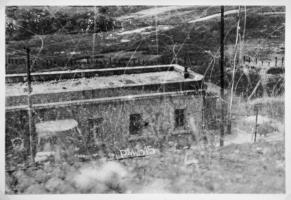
x: 222, y: 75
x: 157, y: 38
x: 204, y: 137
x: 186, y: 73
x: 282, y: 61
x: 29, y: 110
x: 6, y: 63
x: 276, y: 61
x: 256, y: 125
x: 94, y: 33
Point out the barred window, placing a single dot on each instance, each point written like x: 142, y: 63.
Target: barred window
x: 94, y: 125
x: 179, y: 117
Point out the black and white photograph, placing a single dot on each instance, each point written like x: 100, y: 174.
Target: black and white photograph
x: 143, y: 99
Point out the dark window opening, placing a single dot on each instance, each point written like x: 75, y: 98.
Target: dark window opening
x: 95, y: 133
x: 135, y: 125
x: 179, y: 117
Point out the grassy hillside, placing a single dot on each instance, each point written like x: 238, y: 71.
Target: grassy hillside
x: 193, y: 38
x: 193, y: 44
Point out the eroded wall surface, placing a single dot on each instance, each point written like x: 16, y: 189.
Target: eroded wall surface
x: 158, y: 116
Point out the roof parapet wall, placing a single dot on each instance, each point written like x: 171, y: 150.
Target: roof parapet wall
x: 87, y: 73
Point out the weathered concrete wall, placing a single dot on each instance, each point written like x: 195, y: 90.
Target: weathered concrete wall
x: 157, y: 112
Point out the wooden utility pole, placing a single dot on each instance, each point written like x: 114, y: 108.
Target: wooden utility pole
x: 29, y: 110
x: 157, y: 38
x: 222, y: 76
x: 94, y: 33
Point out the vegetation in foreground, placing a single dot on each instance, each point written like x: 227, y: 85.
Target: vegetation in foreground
x: 243, y: 168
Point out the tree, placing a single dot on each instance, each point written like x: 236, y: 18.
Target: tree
x: 60, y: 21
x: 29, y: 22
x: 36, y: 21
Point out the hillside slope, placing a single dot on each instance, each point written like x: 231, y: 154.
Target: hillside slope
x: 188, y: 33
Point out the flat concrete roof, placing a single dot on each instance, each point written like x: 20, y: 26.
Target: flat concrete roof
x: 94, y: 82
x: 102, y: 79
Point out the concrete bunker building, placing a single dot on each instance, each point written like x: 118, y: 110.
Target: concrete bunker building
x: 114, y: 106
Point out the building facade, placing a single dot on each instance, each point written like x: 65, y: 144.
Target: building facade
x: 146, y: 105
